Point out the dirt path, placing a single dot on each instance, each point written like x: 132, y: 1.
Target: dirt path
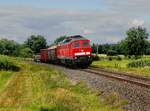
x: 17, y: 91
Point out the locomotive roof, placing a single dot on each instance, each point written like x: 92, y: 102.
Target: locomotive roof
x: 73, y: 38
x: 68, y: 40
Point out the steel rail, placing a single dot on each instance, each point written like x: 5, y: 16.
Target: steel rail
x: 120, y: 77
x: 120, y: 73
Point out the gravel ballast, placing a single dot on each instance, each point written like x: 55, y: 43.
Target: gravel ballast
x: 138, y: 97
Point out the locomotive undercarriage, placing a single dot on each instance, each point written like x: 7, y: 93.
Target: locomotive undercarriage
x: 79, y: 61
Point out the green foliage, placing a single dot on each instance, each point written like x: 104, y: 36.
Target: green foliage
x: 111, y: 53
x: 106, y: 48
x: 9, y: 47
x: 119, y: 58
x: 122, y: 47
x: 60, y: 39
x: 139, y: 63
x: 147, y: 52
x: 4, y: 77
x: 135, y: 44
x: 110, y: 58
x: 36, y: 43
x: 122, y: 66
x: 94, y: 48
x: 26, y: 53
x: 95, y: 58
x: 7, y: 64
x: 119, y: 48
x: 136, y: 41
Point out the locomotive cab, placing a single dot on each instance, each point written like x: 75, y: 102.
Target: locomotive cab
x: 81, y: 48
x: 82, y: 52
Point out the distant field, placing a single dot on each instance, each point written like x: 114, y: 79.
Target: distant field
x: 38, y: 87
x: 122, y: 65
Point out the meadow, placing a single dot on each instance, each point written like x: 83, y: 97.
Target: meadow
x: 140, y: 66
x: 38, y: 87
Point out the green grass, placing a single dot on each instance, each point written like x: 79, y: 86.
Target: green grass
x: 38, y: 87
x: 122, y: 66
x: 4, y: 77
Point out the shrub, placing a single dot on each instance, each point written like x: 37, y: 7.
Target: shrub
x: 110, y: 58
x: 119, y: 58
x: 26, y: 53
x: 7, y: 64
x: 139, y: 63
x: 95, y: 58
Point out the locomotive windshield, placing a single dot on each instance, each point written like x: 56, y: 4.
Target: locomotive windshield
x: 85, y: 44
x: 76, y: 44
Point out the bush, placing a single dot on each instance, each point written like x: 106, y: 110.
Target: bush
x: 119, y: 58
x: 95, y: 58
x: 139, y: 63
x: 110, y: 58
x: 7, y: 64
x: 26, y: 53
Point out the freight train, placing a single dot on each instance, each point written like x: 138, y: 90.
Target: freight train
x: 72, y: 51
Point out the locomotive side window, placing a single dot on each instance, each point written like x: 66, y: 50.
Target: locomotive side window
x: 76, y: 44
x: 85, y: 44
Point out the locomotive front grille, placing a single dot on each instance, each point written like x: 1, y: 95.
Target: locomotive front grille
x: 83, y: 59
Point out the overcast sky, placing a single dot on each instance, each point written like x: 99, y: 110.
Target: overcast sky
x: 101, y: 21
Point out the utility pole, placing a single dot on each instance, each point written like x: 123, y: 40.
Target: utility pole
x: 97, y: 50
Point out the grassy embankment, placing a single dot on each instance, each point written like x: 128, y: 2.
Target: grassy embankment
x: 122, y: 65
x: 40, y: 88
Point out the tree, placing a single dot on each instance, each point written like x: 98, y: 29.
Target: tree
x: 26, y: 52
x: 60, y: 39
x: 136, y: 41
x: 105, y: 48
x: 147, y: 52
x: 9, y: 47
x: 36, y: 43
x: 123, y: 47
x: 94, y: 48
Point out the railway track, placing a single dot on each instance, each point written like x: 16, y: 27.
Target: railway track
x: 137, y: 80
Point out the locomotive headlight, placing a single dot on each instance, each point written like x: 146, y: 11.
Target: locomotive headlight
x: 88, y: 53
x: 79, y: 53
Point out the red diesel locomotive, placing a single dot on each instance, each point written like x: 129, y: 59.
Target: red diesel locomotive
x: 73, y: 51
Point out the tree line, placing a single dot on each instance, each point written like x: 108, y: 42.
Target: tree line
x: 28, y: 48
x: 31, y: 46
x: 135, y: 44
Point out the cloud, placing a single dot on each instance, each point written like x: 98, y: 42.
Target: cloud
x: 136, y: 8
x: 137, y: 22
x: 88, y: 31
x: 101, y: 26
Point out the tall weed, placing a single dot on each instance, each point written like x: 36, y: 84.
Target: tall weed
x: 139, y: 63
